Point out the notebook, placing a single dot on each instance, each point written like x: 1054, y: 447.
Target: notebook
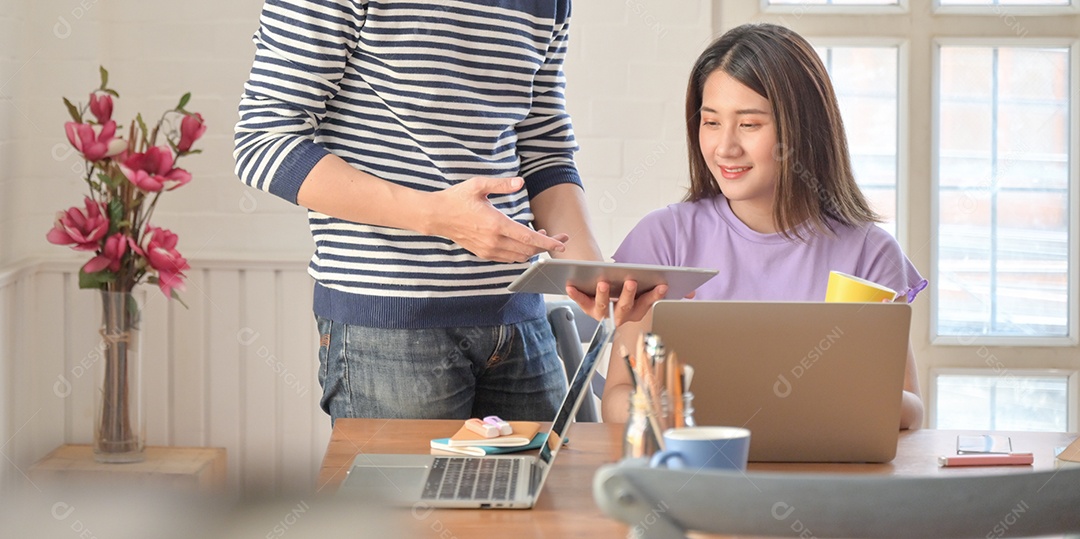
x: 498, y: 482
x: 814, y: 382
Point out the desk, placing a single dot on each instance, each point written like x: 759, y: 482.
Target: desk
x: 566, y: 507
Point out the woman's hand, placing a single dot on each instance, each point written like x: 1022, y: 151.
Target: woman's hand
x: 629, y: 307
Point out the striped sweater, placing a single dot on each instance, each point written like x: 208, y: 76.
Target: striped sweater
x: 423, y: 94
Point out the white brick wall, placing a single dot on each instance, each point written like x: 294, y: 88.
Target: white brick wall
x: 627, y: 72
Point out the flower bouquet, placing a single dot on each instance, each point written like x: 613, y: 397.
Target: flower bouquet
x: 125, y: 177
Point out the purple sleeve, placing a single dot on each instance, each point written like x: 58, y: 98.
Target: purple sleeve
x: 652, y: 241
x: 886, y: 263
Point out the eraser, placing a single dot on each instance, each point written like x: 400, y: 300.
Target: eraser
x: 503, y: 426
x: 483, y: 429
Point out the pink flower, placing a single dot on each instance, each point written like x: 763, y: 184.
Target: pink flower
x: 191, y: 128
x: 84, y: 229
x: 111, y: 256
x: 101, y: 105
x: 95, y: 142
x: 161, y: 252
x: 153, y: 170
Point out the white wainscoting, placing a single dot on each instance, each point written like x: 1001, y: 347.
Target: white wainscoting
x: 237, y: 369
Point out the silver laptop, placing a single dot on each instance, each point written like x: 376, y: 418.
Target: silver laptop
x: 814, y: 382
x: 511, y: 482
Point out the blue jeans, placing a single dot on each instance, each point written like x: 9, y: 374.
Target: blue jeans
x: 511, y: 371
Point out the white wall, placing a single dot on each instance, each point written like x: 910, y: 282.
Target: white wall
x: 627, y: 70
x: 11, y: 18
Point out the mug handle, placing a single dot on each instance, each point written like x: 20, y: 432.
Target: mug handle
x: 660, y: 459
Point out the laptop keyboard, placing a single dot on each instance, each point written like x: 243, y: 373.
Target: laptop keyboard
x: 466, y: 478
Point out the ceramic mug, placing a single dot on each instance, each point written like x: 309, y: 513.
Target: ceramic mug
x: 848, y: 288
x: 720, y: 448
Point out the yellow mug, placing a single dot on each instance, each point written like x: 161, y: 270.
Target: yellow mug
x: 851, y: 289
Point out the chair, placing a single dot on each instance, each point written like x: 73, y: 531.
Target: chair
x: 665, y: 504
x: 569, y: 323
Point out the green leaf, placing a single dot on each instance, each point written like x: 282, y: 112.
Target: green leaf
x: 176, y: 296
x: 73, y: 111
x: 95, y: 280
x: 142, y: 125
x: 111, y: 92
x: 184, y: 101
x: 108, y: 180
x: 116, y: 213
x: 104, y: 77
x: 133, y: 312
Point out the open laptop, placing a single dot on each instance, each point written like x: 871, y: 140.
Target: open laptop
x: 511, y: 482
x: 814, y: 382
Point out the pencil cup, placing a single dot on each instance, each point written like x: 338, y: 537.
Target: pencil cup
x: 696, y: 448
x: 848, y: 288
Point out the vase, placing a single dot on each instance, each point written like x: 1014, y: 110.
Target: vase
x: 120, y: 426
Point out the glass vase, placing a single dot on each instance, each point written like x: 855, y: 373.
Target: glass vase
x: 120, y: 426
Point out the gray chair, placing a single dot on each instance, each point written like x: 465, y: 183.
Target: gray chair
x: 665, y: 504
x: 569, y: 324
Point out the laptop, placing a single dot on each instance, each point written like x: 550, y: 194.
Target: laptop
x: 497, y: 482
x: 814, y: 382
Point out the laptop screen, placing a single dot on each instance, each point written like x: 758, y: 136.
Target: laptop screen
x: 575, y: 394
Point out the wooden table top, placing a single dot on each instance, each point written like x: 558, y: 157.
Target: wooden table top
x: 566, y: 507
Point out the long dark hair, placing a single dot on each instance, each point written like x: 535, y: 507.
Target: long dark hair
x: 816, y: 184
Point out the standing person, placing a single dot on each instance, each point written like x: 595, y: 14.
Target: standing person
x: 773, y: 202
x: 431, y: 145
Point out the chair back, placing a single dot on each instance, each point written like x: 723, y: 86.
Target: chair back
x: 565, y: 325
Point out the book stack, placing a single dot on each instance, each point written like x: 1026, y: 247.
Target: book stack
x: 523, y: 436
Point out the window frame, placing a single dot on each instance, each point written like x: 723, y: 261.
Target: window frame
x: 1072, y: 387
x: 900, y: 7
x: 1072, y: 336
x: 1007, y: 10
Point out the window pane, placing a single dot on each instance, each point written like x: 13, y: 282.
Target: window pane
x: 834, y: 2
x: 1002, y: 402
x: 865, y: 80
x: 1003, y: 180
x: 1004, y: 2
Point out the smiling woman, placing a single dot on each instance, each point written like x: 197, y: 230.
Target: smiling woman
x: 773, y: 203
x: 738, y: 141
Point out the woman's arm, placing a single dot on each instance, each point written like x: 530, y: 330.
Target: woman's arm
x: 615, y: 403
x: 911, y: 407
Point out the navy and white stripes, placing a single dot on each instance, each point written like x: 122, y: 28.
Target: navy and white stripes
x: 423, y: 94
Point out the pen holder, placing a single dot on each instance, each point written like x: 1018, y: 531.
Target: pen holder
x: 640, y: 439
x: 688, y: 410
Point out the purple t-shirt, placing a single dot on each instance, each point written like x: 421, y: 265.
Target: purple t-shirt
x: 764, y: 267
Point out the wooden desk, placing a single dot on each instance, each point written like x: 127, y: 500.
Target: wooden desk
x: 198, y: 468
x: 566, y: 507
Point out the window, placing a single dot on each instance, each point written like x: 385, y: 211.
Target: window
x: 1003, y: 191
x: 833, y: 2
x: 998, y: 399
x: 1009, y: 3
x: 865, y: 81
x: 980, y: 164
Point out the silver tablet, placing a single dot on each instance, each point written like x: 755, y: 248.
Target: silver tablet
x: 551, y: 275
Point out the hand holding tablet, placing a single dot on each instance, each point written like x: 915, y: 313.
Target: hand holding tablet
x: 552, y: 276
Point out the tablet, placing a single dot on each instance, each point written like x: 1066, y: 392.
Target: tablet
x: 551, y: 275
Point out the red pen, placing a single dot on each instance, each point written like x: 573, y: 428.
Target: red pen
x: 989, y: 459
